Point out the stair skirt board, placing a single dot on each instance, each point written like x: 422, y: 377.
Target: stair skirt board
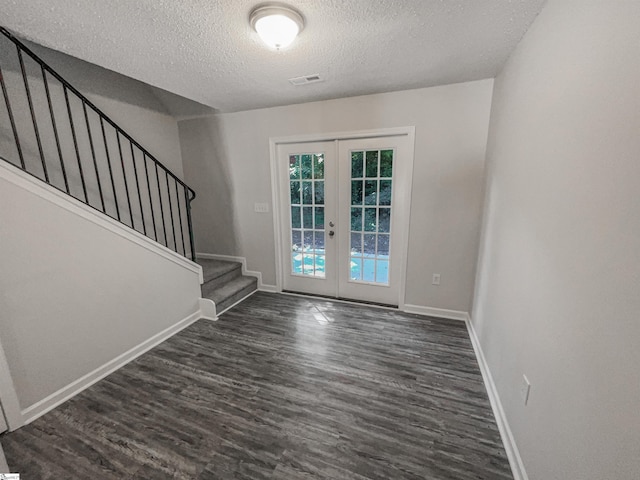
x: 47, y: 404
x: 250, y: 273
x: 208, y: 309
x: 28, y: 182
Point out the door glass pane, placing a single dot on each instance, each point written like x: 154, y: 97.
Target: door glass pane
x: 383, y: 246
x: 319, y: 192
x: 384, y: 220
x: 370, y: 192
x: 319, y: 218
x: 294, y: 167
x: 385, y: 192
x: 356, y: 219
x: 357, y: 159
x: 319, y: 243
x: 386, y: 163
x: 356, y: 269
x: 295, y: 193
x: 296, y: 240
x: 369, y: 270
x: 306, y: 166
x: 295, y: 217
x: 382, y: 271
x: 296, y: 263
x: 356, y: 192
x: 307, y: 217
x: 356, y: 244
x: 369, y: 251
x: 306, y: 193
x: 372, y: 163
x: 370, y: 223
x: 307, y: 264
x: 308, y: 240
x: 318, y: 166
x: 369, y: 245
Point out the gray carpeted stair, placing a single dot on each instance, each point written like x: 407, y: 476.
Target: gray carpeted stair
x: 224, y: 282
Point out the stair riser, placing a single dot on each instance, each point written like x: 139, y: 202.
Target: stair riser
x: 218, y: 282
x: 236, y: 297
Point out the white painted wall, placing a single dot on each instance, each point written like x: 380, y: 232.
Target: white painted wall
x: 74, y: 295
x: 558, y: 289
x: 226, y: 159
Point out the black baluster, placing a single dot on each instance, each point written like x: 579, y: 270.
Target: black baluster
x: 184, y: 251
x: 164, y: 227
x: 153, y: 217
x: 124, y: 175
x: 191, y: 242
x: 11, y: 119
x: 93, y: 155
x: 33, y: 114
x: 113, y: 184
x: 75, y: 143
x: 55, y: 128
x: 135, y: 172
x: 173, y: 226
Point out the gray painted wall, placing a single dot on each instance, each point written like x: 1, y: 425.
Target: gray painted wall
x: 74, y: 295
x: 558, y: 289
x: 226, y: 158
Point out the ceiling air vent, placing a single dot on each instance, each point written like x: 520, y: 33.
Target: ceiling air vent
x: 307, y: 79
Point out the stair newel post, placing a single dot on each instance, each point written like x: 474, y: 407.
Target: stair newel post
x: 188, y: 204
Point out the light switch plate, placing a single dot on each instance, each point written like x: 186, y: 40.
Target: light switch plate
x: 261, y: 207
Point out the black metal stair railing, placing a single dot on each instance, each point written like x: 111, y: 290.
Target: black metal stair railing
x: 53, y: 132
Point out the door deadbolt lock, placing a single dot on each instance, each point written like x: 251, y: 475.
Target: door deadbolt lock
x: 331, y: 224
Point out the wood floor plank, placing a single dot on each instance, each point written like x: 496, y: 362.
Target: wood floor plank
x: 281, y: 387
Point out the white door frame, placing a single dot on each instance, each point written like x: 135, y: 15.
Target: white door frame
x: 276, y: 187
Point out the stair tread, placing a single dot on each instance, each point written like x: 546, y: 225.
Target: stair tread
x: 229, y: 289
x: 212, y: 269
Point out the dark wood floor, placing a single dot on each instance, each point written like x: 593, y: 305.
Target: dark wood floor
x: 281, y: 387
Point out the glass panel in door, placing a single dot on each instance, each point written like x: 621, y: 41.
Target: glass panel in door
x: 370, y: 215
x: 307, y: 203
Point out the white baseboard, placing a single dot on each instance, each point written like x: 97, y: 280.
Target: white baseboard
x: 436, y: 312
x: 268, y: 288
x: 513, y: 454
x: 208, y: 309
x: 49, y: 403
x: 250, y: 273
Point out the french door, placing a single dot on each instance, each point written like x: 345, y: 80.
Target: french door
x: 343, y: 217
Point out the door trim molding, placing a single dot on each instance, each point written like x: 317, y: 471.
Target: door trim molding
x: 409, y: 132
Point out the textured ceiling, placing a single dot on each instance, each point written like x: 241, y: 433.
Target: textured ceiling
x: 205, y: 50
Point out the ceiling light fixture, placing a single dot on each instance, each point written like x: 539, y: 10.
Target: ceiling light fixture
x: 277, y: 25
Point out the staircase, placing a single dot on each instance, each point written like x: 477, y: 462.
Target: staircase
x: 224, y: 283
x: 53, y: 132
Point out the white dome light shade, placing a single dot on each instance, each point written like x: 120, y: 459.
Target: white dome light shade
x: 277, y: 26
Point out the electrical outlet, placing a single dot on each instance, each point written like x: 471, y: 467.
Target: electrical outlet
x: 436, y: 279
x: 261, y: 207
x: 525, y: 388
